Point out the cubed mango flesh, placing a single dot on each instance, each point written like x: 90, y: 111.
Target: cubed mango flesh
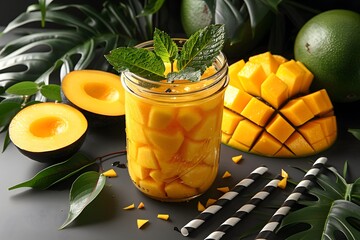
x: 173, y: 150
x: 251, y: 77
x: 273, y: 113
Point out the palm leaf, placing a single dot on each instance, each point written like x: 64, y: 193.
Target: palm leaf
x: 79, y: 41
x: 330, y: 211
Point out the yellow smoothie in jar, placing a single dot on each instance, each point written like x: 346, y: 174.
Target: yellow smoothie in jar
x: 173, y: 134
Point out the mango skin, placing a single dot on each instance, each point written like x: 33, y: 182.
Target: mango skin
x: 270, y: 111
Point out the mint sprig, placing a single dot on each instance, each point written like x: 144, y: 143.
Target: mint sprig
x: 195, y: 56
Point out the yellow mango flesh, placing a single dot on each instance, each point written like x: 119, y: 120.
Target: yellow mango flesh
x: 173, y: 151
x: 270, y: 111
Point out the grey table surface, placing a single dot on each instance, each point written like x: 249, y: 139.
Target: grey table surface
x: 36, y: 215
x: 33, y: 214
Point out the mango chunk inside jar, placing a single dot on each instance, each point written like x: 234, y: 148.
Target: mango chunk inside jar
x: 173, y: 149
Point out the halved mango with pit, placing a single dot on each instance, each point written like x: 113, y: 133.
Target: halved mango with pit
x: 269, y: 109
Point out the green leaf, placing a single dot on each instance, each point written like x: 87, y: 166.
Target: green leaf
x: 83, y: 191
x: 258, y: 11
x: 226, y: 13
x: 333, y: 207
x: 185, y: 74
x: 83, y: 36
x: 139, y: 61
x: 164, y: 46
x: 355, y: 192
x: 202, y: 47
x: 7, y: 111
x: 152, y: 7
x: 6, y: 142
x: 57, y: 172
x: 25, y: 88
x: 355, y: 132
x: 325, y: 221
x: 51, y: 91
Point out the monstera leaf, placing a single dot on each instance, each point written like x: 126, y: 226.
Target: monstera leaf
x: 330, y: 212
x: 82, y: 36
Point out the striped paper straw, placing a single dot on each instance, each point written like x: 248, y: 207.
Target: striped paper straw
x: 224, y: 199
x: 300, y: 188
x: 244, y: 210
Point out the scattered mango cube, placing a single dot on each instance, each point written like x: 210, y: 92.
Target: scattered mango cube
x: 141, y: 205
x: 226, y: 174
x: 110, y: 173
x: 141, y: 222
x: 282, y: 183
x: 223, y: 189
x: 131, y: 206
x: 210, y: 202
x: 200, y: 206
x: 236, y: 159
x: 163, y: 216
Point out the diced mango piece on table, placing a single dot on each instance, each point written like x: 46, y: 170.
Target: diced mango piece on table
x: 141, y: 222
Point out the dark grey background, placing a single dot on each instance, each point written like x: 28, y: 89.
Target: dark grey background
x: 36, y: 215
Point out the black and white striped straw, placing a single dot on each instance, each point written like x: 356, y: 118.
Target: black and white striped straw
x: 224, y: 199
x: 244, y: 210
x: 269, y: 229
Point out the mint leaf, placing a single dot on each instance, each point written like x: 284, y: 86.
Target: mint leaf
x: 83, y: 191
x: 164, y: 46
x: 139, y: 61
x: 197, y: 54
x: 185, y: 74
x: 200, y: 50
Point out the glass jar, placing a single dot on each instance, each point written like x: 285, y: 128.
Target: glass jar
x: 173, y: 131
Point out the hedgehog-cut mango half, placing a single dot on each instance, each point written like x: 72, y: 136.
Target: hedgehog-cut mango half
x: 269, y: 109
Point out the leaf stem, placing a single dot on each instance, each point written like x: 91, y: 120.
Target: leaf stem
x: 108, y: 156
x: 111, y: 155
x: 347, y: 195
